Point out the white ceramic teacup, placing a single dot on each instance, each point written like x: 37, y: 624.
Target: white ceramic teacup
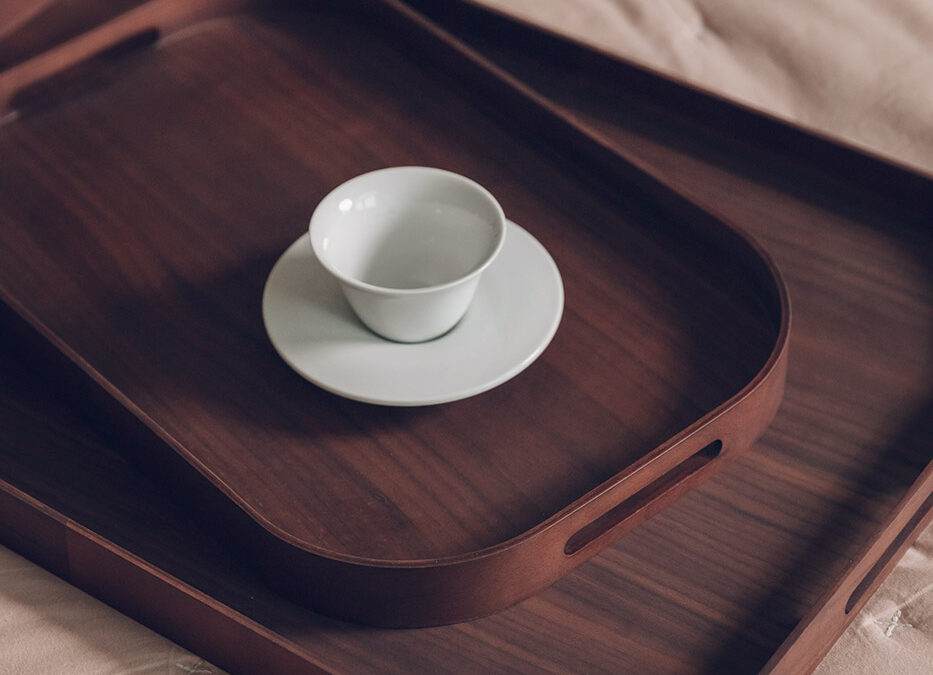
x: 408, y: 245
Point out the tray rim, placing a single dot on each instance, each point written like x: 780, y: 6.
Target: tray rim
x: 764, y: 372
x: 761, y: 395
x: 834, y: 142
x: 86, y: 559
x: 828, y: 618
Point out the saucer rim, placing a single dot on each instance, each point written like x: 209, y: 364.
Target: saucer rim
x: 546, y: 336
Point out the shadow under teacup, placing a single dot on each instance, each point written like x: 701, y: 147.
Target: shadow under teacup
x: 408, y: 245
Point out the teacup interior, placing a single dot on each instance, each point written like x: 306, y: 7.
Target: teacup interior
x: 424, y: 232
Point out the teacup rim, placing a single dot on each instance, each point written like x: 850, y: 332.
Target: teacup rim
x: 500, y: 222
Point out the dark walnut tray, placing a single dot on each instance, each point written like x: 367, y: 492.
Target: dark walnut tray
x: 759, y: 567
x: 846, y: 470
x: 146, y: 199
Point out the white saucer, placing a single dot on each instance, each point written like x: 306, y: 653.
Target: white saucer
x: 512, y: 319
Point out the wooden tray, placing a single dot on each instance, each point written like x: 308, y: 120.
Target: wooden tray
x: 847, y: 226
x: 143, y: 215
x: 715, y: 582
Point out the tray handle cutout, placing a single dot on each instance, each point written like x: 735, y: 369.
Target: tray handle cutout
x: 872, y: 575
x: 806, y: 645
x: 135, y: 28
x: 81, y: 73
x: 653, y: 493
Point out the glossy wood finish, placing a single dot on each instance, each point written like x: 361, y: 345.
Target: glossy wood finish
x: 137, y: 237
x: 851, y: 232
x: 810, y: 640
x: 30, y: 27
x: 74, y: 503
x: 715, y: 582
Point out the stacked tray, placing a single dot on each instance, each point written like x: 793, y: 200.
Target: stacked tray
x: 138, y: 293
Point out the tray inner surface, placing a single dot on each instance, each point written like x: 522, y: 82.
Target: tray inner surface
x: 141, y: 218
x: 715, y: 582
x: 852, y: 237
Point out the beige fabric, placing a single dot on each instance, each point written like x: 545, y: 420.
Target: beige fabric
x: 859, y: 70
x: 49, y: 626
x: 894, y: 632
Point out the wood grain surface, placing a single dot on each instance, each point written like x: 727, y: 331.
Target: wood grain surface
x: 149, y: 210
x: 847, y: 229
x: 715, y: 582
x: 30, y: 27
